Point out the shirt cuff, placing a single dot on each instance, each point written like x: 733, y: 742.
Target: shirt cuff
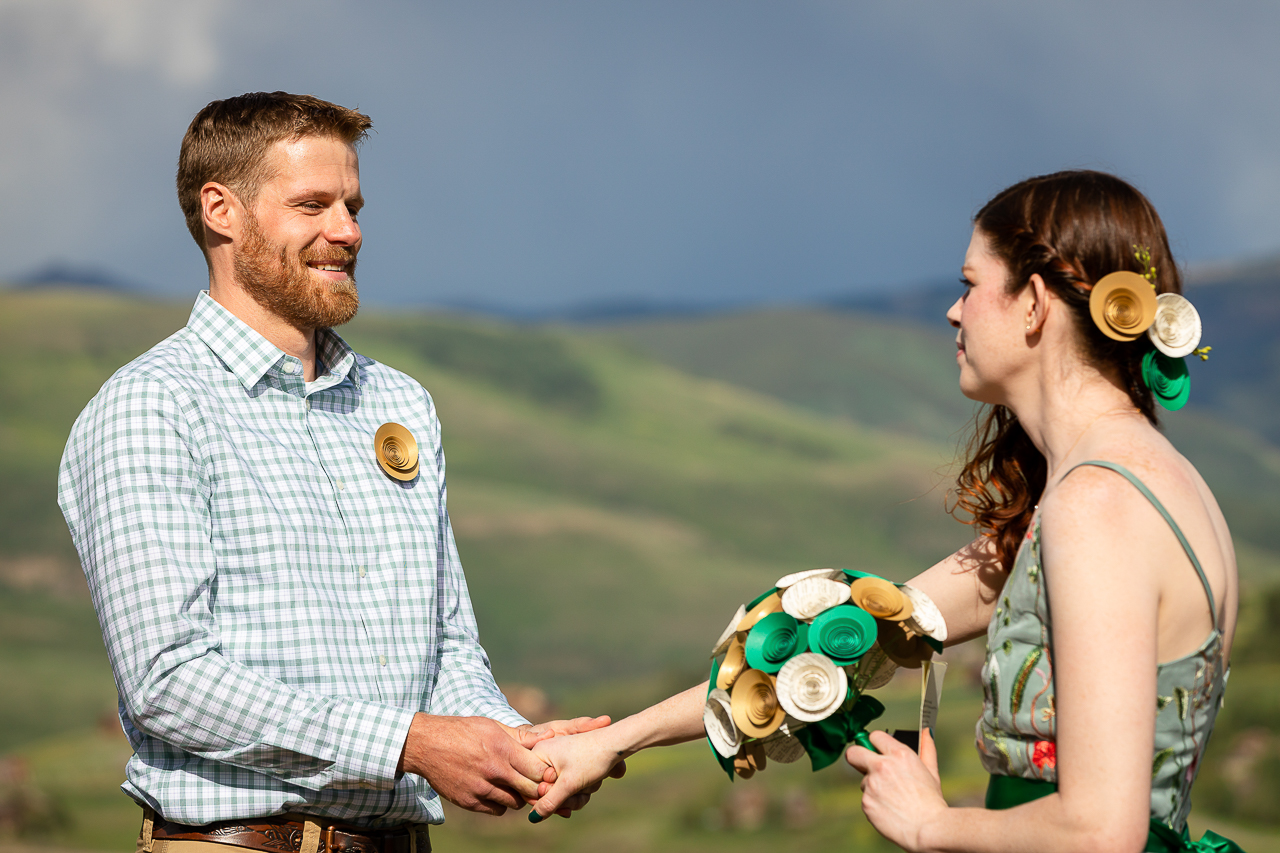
x: 372, y: 741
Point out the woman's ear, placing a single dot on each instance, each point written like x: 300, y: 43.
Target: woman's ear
x: 1038, y: 304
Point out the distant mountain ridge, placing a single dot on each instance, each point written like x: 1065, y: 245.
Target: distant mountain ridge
x: 60, y: 274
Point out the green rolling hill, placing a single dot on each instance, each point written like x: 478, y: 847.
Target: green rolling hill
x: 897, y: 374
x: 616, y: 492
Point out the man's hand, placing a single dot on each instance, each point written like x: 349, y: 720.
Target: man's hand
x: 474, y: 762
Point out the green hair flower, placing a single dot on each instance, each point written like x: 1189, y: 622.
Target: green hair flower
x: 1167, y: 378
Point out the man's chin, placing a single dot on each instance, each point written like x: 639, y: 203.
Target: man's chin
x: 343, y: 305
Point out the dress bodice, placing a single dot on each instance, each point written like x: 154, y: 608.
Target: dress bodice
x: 1017, y: 732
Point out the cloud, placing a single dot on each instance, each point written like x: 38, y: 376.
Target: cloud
x: 569, y: 149
x: 89, y: 89
x: 62, y: 44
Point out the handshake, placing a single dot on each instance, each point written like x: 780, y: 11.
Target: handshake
x: 484, y: 766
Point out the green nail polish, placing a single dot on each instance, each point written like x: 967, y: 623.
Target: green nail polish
x: 534, y: 817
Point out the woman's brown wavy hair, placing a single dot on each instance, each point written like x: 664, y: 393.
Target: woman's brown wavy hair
x: 1071, y: 228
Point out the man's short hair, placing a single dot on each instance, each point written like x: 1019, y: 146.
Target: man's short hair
x: 228, y: 140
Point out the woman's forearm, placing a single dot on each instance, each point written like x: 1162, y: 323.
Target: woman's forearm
x: 674, y: 720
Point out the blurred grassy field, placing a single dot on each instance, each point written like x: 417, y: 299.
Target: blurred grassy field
x: 612, y: 508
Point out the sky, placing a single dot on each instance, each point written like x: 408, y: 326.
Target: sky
x: 531, y: 156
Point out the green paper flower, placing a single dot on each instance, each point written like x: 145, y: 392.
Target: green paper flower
x: 1167, y: 378
x: 774, y: 640
x: 843, y: 633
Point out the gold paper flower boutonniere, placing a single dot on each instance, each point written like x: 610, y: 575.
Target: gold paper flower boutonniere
x: 396, y: 451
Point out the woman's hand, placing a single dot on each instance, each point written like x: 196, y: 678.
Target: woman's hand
x: 578, y: 765
x: 901, y: 791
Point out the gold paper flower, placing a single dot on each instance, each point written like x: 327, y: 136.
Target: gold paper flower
x: 396, y: 451
x: 735, y: 661
x: 771, y: 604
x: 880, y: 598
x: 1123, y: 305
x: 756, y: 710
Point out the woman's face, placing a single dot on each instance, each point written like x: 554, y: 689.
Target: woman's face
x: 991, y: 341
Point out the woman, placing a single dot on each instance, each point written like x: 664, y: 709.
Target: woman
x: 1098, y: 709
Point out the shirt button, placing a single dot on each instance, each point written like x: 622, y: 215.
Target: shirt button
x: 362, y: 571
x: 341, y: 485
x: 290, y: 367
x: 308, y: 404
x: 382, y: 659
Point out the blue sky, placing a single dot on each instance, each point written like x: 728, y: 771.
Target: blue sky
x: 531, y: 155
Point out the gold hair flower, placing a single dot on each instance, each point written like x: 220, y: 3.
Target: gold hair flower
x: 1123, y: 305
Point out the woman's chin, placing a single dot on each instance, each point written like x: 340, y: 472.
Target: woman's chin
x: 979, y: 392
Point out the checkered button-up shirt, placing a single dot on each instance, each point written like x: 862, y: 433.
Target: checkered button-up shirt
x: 274, y: 606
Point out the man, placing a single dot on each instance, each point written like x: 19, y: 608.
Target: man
x: 286, y: 618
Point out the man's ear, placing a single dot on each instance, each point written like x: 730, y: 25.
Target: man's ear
x: 221, y: 212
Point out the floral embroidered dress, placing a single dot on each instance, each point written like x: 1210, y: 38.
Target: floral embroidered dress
x: 1017, y: 733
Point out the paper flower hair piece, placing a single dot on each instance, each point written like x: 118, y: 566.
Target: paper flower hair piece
x: 1176, y: 329
x: 790, y: 671
x: 1167, y: 378
x: 1123, y: 305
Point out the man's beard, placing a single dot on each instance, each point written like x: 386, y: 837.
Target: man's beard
x: 285, y: 286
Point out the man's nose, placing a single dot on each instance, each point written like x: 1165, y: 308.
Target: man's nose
x: 341, y: 229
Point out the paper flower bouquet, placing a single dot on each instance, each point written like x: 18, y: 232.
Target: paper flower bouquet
x: 789, y: 674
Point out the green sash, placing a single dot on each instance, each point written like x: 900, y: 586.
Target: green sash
x: 1005, y: 792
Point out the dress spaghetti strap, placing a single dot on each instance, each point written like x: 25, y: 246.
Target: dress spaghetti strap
x: 1177, y: 531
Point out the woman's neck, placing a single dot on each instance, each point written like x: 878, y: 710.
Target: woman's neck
x: 1059, y: 415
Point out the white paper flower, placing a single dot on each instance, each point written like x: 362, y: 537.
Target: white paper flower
x: 925, y: 616
x: 795, y: 577
x: 717, y: 719
x: 1177, y: 328
x: 783, y: 748
x: 729, y: 631
x: 810, y: 687
x: 807, y: 598
x: 874, y: 670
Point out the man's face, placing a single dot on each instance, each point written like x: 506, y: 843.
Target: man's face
x: 297, y: 250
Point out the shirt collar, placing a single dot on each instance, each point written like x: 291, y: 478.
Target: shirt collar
x: 250, y: 356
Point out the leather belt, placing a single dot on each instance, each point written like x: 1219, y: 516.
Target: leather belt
x: 285, y: 834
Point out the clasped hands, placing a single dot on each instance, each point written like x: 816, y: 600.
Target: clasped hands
x: 483, y: 766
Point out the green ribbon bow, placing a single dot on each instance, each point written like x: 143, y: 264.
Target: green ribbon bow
x: 826, y: 739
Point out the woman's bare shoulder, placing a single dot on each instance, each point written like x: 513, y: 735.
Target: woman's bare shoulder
x: 1097, y: 520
